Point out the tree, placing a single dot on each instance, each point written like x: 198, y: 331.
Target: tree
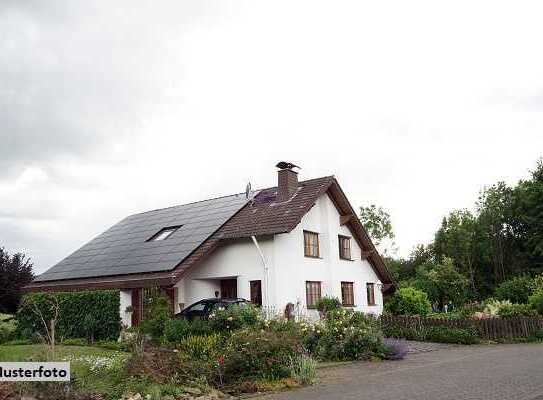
x: 457, y: 238
x: 443, y: 283
x: 377, y: 223
x: 15, y: 272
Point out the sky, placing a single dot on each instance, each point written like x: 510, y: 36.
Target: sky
x: 112, y: 108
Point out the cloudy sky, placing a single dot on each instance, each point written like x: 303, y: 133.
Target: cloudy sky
x: 110, y: 108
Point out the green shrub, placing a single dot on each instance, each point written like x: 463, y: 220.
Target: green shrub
x: 234, y: 318
x: 157, y: 315
x: 202, y: 348
x: 8, y: 328
x: 328, y: 304
x: 257, y: 354
x: 516, y: 290
x: 303, y: 368
x: 445, y: 334
x: 539, y: 334
x: 75, y: 342
x: 516, y: 310
x: 91, y: 314
x: 345, y: 335
x: 536, y: 301
x: 176, y: 329
x: 440, y: 334
x: 409, y: 301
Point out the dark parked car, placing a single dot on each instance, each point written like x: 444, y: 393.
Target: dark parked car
x: 204, y: 308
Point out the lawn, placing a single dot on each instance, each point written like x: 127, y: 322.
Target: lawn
x: 96, y: 369
x: 40, y: 352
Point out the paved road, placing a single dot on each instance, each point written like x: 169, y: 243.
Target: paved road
x: 509, y: 372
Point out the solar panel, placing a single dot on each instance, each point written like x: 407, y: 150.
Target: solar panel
x: 124, y: 248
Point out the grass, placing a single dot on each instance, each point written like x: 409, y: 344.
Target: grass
x: 96, y: 369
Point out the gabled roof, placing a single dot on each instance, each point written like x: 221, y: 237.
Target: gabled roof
x: 125, y: 248
x: 207, y: 224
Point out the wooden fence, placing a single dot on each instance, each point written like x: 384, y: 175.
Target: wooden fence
x: 490, y: 328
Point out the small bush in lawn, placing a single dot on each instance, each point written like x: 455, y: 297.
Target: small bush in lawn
x: 303, y: 368
x: 516, y: 310
x: 395, y: 349
x: 536, y: 301
x: 259, y: 354
x: 328, y: 304
x: 409, y: 301
x: 345, y: 335
x: 234, y: 317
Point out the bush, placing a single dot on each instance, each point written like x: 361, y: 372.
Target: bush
x: 157, y: 315
x: 345, y: 335
x: 328, y: 304
x: 259, y: 354
x: 516, y: 310
x: 536, y: 301
x: 75, y: 342
x: 445, y: 334
x: 200, y: 348
x: 304, y: 369
x: 439, y: 334
x: 516, y: 290
x: 77, y: 310
x: 8, y: 328
x: 176, y: 329
x: 409, y: 301
x: 234, y: 317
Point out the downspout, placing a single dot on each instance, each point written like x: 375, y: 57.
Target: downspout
x: 266, y: 270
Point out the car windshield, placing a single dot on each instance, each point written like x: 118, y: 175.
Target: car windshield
x: 197, y: 307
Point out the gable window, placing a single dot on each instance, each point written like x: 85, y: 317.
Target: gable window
x: 163, y: 234
x: 312, y: 293
x: 370, y: 289
x: 256, y: 292
x: 344, y: 247
x: 311, y: 244
x: 347, y: 294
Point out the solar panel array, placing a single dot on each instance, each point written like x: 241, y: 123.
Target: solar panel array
x: 124, y: 249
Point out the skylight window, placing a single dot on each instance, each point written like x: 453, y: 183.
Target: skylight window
x: 163, y: 234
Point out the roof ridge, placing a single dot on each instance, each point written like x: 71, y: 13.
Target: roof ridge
x: 222, y: 197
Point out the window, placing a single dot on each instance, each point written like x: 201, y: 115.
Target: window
x: 163, y: 234
x: 344, y: 247
x: 256, y: 292
x: 347, y: 294
x: 311, y: 244
x: 312, y: 293
x: 370, y: 289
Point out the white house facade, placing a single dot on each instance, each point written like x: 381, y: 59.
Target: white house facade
x: 291, y: 244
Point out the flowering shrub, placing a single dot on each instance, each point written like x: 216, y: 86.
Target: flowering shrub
x: 344, y: 335
x: 328, y: 304
x: 234, y: 317
x: 260, y: 354
x: 396, y: 349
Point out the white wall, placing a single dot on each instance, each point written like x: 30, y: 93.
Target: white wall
x: 288, y: 267
x: 238, y: 259
x: 292, y: 268
x: 125, y: 301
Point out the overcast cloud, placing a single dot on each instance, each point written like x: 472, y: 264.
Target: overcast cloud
x: 110, y: 108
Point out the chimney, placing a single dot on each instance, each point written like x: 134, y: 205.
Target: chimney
x: 287, y: 182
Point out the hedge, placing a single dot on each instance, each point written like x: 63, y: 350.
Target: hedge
x: 88, y: 314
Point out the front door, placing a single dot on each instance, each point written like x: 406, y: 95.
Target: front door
x: 229, y: 288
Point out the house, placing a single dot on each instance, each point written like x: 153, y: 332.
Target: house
x: 287, y: 244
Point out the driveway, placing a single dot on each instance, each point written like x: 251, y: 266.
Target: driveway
x: 513, y: 371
